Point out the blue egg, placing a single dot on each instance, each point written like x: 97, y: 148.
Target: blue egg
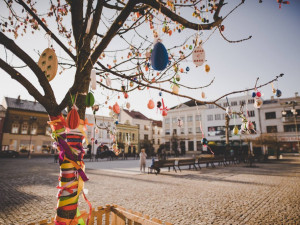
x: 204, y: 141
x: 187, y: 69
x: 160, y: 93
x: 117, y: 122
x: 253, y: 94
x: 278, y: 93
x: 159, y: 57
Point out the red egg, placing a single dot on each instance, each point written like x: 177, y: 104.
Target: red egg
x: 258, y: 94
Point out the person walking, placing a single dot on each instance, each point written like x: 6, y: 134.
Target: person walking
x: 143, y: 157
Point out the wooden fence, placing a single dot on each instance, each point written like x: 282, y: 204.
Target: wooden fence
x: 114, y: 215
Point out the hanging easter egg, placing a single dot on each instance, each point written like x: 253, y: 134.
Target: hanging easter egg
x: 159, y: 57
x: 116, y: 108
x: 198, y: 56
x: 202, y: 94
x: 179, y: 123
x: 177, y: 77
x: 48, y: 63
x: 250, y: 125
x: 158, y: 104
x: 274, y: 91
x: 95, y: 108
x: 258, y: 103
x: 235, y: 130
x: 207, y: 68
x: 108, y: 81
x: 204, y: 141
x: 258, y: 94
x: 253, y: 94
x: 164, y: 113
x: 160, y: 93
x: 73, y: 118
x: 222, y: 28
x: 89, y: 100
x: 128, y: 105
x: 126, y: 95
x: 93, y: 79
x: 187, y: 69
x: 131, y: 84
x: 243, y: 127
x: 148, y: 54
x: 175, y: 89
x: 278, y: 93
x: 228, y: 111
x: 150, y: 104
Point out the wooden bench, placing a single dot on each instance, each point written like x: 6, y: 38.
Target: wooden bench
x: 211, y: 161
x: 157, y: 165
x: 187, y: 162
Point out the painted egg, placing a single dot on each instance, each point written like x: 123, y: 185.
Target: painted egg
x: 131, y: 84
x: 202, y: 94
x: 48, y: 63
x: 250, y: 125
x: 235, y: 130
x: 73, y: 118
x: 159, y: 57
x: 228, y: 111
x: 150, y: 104
x: 164, y: 113
x: 128, y: 105
x: 187, y: 69
x: 126, y: 95
x: 198, y: 56
x: 175, y: 89
x: 160, y: 93
x: 207, y: 68
x: 158, y: 104
x: 89, y: 100
x: 258, y: 103
x: 253, y: 94
x: 258, y: 94
x: 278, y: 93
x: 204, y: 141
x: 177, y: 77
x: 116, y: 108
x: 108, y: 81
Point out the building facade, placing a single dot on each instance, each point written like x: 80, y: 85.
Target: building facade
x: 25, y: 126
x: 2, y: 117
x: 268, y: 122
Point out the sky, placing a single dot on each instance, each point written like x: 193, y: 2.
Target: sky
x: 273, y: 49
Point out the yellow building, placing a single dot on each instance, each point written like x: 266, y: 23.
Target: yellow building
x: 128, y: 138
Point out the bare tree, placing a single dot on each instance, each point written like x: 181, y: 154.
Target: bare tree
x: 88, y: 33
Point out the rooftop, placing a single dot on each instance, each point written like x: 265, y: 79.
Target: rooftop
x: 136, y: 114
x: 190, y: 103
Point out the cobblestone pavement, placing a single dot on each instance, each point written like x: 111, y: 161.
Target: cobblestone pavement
x: 267, y: 194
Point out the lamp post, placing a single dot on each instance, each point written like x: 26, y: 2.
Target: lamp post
x: 295, y: 113
x: 31, y: 119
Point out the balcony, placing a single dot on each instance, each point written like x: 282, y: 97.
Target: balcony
x: 290, y: 119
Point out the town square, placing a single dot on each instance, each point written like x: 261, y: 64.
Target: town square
x: 149, y: 112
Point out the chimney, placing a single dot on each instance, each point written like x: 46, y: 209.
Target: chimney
x: 19, y: 99
x: 296, y: 94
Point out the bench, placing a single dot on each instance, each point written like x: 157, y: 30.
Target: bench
x: 211, y: 161
x: 187, y: 162
x: 157, y: 165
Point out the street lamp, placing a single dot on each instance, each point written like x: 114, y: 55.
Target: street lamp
x: 295, y: 113
x: 31, y: 119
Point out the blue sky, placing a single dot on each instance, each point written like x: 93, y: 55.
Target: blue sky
x: 273, y: 49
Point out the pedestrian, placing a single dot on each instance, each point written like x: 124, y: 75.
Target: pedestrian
x: 143, y: 156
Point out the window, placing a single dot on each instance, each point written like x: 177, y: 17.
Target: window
x: 250, y: 101
x: 225, y: 104
x: 223, y: 116
x: 174, y: 131
x: 242, y: 102
x: 153, y: 131
x: 167, y: 120
x: 198, y: 117
x: 174, y: 119
x: 158, y: 141
x: 198, y: 130
x: 210, y: 117
x: 251, y: 113
x: 24, y: 129
x: 49, y: 131
x: 218, y: 117
x: 271, y: 129
x: 210, y: 106
x: 33, y: 130
x: 15, y: 128
x: 182, y: 118
x: 153, y: 141
x: 146, y: 137
x: 234, y: 103
x: 167, y: 131
x: 270, y: 115
x: 133, y: 137
x: 190, y: 119
x: 191, y: 146
x: 158, y: 132
x: 190, y: 130
x: 291, y: 128
x: 146, y: 127
x: 182, y: 130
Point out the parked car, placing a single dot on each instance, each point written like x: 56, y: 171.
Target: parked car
x: 9, y: 154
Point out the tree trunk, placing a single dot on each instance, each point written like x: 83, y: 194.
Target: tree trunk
x: 72, y: 176
x: 227, y: 132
